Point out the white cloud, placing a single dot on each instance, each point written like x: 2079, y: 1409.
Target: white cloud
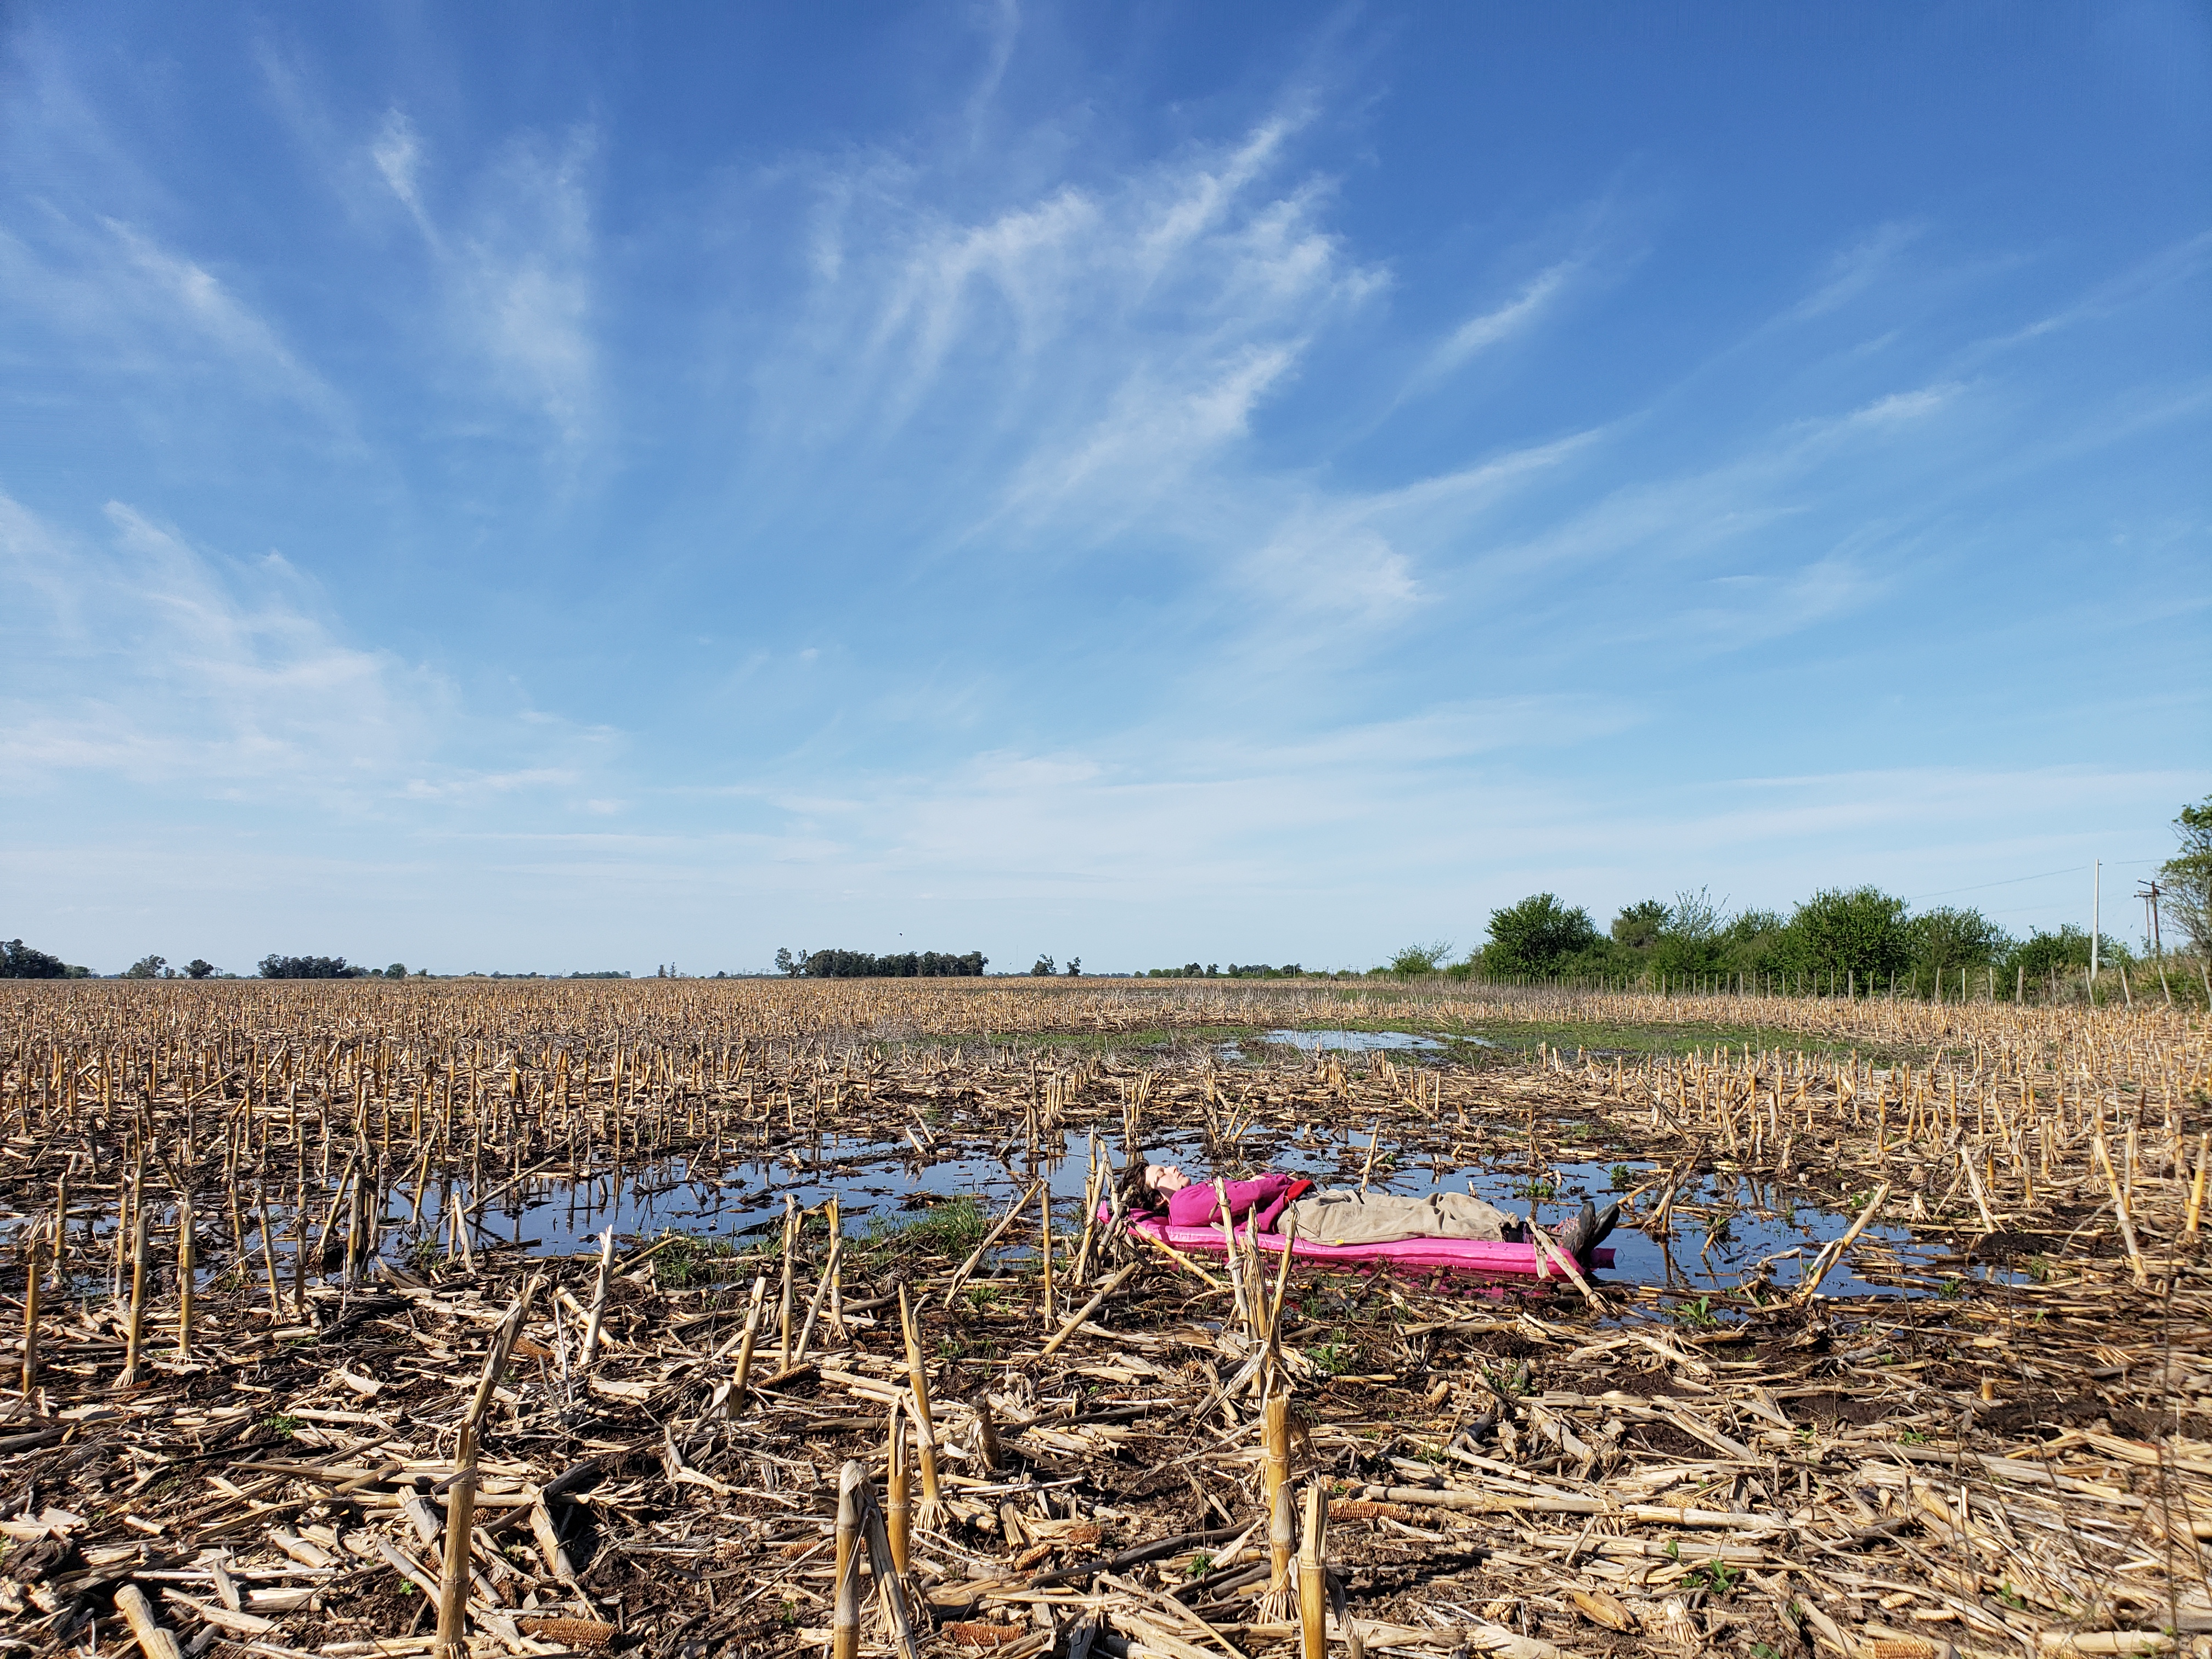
x: 1857, y: 269
x: 148, y: 661
x: 1081, y: 318
x: 1901, y: 407
x: 2141, y: 280
x: 164, y: 665
x: 515, y: 266
x: 526, y: 281
x: 156, y: 312
x: 1518, y: 315
x: 397, y: 154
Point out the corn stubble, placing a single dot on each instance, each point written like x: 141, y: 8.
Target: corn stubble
x: 243, y: 1415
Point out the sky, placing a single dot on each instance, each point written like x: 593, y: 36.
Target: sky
x: 546, y: 486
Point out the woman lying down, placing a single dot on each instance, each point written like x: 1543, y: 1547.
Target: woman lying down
x: 1283, y: 1203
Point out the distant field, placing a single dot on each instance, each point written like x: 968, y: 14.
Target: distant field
x: 1135, y: 1017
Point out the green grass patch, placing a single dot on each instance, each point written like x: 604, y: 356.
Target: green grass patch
x: 1149, y: 1040
x: 687, y: 1259
x: 953, y: 1228
x: 1333, y: 1357
x: 1697, y: 1315
x: 1641, y: 1039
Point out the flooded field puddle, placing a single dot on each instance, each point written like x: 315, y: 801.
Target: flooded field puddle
x: 1725, y: 1230
x: 1350, y: 1042
x: 1356, y: 1042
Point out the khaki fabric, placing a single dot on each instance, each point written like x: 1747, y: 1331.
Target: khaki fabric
x: 1379, y: 1218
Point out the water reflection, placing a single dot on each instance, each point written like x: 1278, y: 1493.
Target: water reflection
x: 1726, y: 1229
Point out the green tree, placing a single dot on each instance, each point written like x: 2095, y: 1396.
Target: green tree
x: 273, y: 966
x: 21, y: 961
x: 1414, y: 959
x: 1693, y: 939
x: 1536, y: 937
x: 1946, y: 940
x: 1041, y: 968
x: 2187, y: 875
x: 1756, y: 941
x: 146, y: 968
x: 1638, y: 925
x: 2040, y: 954
x: 1859, y: 931
x: 198, y: 968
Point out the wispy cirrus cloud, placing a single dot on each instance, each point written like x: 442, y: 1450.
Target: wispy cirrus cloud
x: 2179, y: 263
x: 397, y: 152
x: 1857, y: 270
x: 149, y: 313
x: 1493, y: 327
x: 188, y: 670
x: 144, y: 658
x: 1073, y: 319
x: 514, y: 258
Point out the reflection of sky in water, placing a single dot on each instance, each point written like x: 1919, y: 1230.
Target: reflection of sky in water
x: 874, y: 1178
x: 871, y: 1179
x: 1348, y: 1041
x: 1354, y: 1041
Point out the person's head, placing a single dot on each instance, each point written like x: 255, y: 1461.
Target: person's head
x: 1148, y: 1186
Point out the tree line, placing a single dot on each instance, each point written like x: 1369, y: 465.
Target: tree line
x: 861, y: 964
x: 1858, y: 936
x: 21, y: 961
x: 1849, y: 937
x: 1234, y: 970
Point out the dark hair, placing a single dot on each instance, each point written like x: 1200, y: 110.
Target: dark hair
x: 1135, y: 1195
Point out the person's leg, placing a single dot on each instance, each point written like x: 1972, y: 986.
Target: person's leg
x: 1463, y: 1215
x: 1359, y: 1218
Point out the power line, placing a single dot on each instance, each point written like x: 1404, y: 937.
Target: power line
x: 2014, y: 881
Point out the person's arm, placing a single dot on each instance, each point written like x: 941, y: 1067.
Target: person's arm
x: 1272, y: 1211
x: 1195, y: 1206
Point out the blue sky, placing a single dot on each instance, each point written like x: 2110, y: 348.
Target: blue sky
x: 553, y: 487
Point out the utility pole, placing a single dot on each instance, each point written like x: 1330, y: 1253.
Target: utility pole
x: 2150, y: 895
x: 2096, y: 911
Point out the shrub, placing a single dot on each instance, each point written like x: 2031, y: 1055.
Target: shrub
x: 1413, y: 959
x: 1859, y: 931
x: 19, y: 961
x: 276, y: 967
x: 1536, y: 936
x: 2186, y: 878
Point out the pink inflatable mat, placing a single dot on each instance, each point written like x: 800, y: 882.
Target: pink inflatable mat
x: 1467, y: 1255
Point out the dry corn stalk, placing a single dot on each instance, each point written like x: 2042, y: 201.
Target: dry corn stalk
x: 930, y: 1512
x: 1274, y: 1603
x: 1313, y: 1582
x: 845, y: 1616
x: 898, y: 1504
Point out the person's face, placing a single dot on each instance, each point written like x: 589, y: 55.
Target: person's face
x: 1165, y: 1179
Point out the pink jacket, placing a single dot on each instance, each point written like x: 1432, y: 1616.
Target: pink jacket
x: 1196, y: 1207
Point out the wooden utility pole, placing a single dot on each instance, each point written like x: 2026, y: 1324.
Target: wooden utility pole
x: 2149, y: 894
x: 2096, y: 922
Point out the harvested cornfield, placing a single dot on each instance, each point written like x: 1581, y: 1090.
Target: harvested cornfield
x: 289, y: 1387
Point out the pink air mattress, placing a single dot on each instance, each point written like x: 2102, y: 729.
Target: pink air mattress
x: 1466, y: 1255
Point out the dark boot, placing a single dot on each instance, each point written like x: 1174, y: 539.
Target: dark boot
x: 1577, y: 1236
